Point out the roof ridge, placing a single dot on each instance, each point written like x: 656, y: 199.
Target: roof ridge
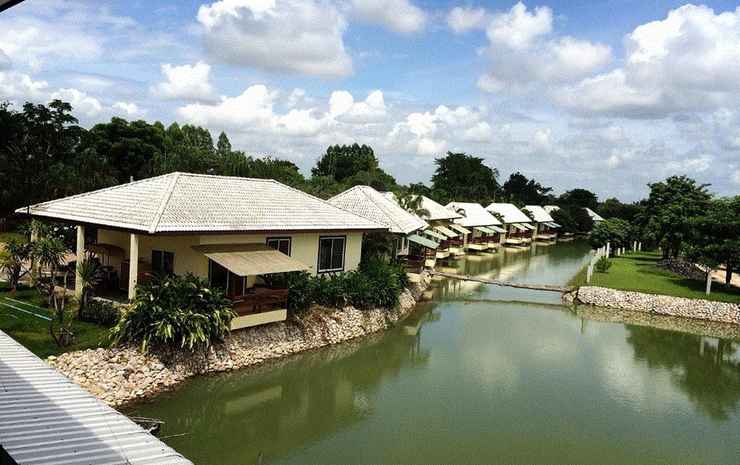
x: 96, y: 191
x: 166, y: 196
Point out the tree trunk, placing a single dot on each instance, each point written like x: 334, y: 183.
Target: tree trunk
x: 728, y: 273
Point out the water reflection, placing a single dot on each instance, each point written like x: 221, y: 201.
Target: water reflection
x: 706, y: 369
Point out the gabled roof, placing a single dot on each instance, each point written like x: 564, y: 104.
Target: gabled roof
x: 436, y: 211
x: 473, y: 214
x: 373, y: 205
x: 184, y: 202
x: 594, y: 216
x: 539, y: 214
x: 510, y: 213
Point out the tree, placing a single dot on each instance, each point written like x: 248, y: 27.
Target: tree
x: 49, y: 252
x: 715, y: 236
x: 88, y: 274
x: 522, y: 191
x: 670, y: 207
x: 343, y: 161
x: 580, y: 198
x: 13, y: 258
x: 613, y: 208
x: 615, y: 231
x: 464, y: 178
x: 412, y: 203
x: 223, y: 146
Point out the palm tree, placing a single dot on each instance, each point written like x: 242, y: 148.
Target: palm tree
x: 12, y: 259
x: 88, y: 274
x: 412, y: 203
x: 49, y: 252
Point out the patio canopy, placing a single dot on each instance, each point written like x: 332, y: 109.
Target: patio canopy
x: 435, y: 234
x: 484, y: 229
x: 552, y: 224
x: 496, y: 229
x: 250, y: 259
x: 529, y: 226
x: 447, y: 232
x: 459, y: 228
x: 428, y: 243
x: 519, y: 227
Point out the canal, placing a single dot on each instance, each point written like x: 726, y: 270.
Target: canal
x: 480, y: 374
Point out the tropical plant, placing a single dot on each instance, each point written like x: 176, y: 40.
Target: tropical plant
x: 603, y: 264
x: 49, y: 252
x: 88, y: 274
x: 100, y: 312
x: 412, y: 203
x: 13, y: 257
x: 174, y: 311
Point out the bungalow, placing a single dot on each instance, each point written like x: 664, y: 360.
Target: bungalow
x: 519, y: 228
x: 546, y: 227
x: 235, y: 232
x: 486, y: 230
x: 595, y: 217
x: 410, y: 241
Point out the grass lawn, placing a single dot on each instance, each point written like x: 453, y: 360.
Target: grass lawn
x: 4, y: 237
x: 638, y: 272
x: 33, y: 332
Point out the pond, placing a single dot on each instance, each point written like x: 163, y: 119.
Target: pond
x: 480, y: 374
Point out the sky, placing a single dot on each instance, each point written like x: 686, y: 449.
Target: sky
x: 607, y: 95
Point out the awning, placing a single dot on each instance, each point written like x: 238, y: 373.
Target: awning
x: 529, y: 226
x: 447, y: 232
x: 250, y: 259
x: 435, y: 234
x: 428, y: 243
x: 484, y: 230
x: 459, y: 228
x: 553, y: 225
x: 519, y: 227
x: 496, y: 229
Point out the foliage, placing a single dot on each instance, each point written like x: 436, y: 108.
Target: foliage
x: 714, y: 237
x: 412, y: 203
x: 377, y: 284
x: 13, y: 256
x: 175, y: 311
x: 581, y: 198
x: 603, y: 264
x: 464, y: 178
x: 100, y: 312
x: 615, y: 231
x: 613, y: 208
x: 670, y: 208
x: 89, y: 276
x: 572, y: 219
x: 344, y: 161
x: 377, y: 245
x: 522, y: 191
x: 49, y: 252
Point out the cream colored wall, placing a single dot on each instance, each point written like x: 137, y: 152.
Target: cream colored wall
x: 304, y: 247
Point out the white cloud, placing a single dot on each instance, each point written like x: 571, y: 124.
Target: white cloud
x: 523, y: 54
x: 688, y: 61
x: 81, y: 102
x: 736, y: 177
x: 187, y: 82
x: 5, y: 62
x: 128, y: 109
x: 463, y: 19
x: 278, y: 35
x: 398, y: 15
x: 342, y: 106
x: 518, y: 27
x: 19, y: 87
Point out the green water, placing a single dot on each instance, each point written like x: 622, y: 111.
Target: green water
x: 476, y: 377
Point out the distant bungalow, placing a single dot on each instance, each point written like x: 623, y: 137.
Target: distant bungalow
x: 231, y: 231
x: 546, y: 227
x: 519, y: 227
x: 595, y: 217
x: 487, y: 233
x: 411, y: 243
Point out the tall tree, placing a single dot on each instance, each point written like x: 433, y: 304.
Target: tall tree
x: 582, y: 198
x: 670, y: 207
x: 343, y: 161
x: 464, y: 178
x: 520, y: 190
x: 715, y: 236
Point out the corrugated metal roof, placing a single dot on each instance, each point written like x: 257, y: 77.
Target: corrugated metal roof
x: 46, y: 419
x: 473, y: 214
x: 379, y: 208
x: 185, y: 202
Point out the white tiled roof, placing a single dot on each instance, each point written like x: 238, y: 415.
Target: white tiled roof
x: 594, y: 216
x: 436, y: 211
x: 539, y: 214
x: 373, y: 205
x: 184, y: 202
x: 473, y: 214
x: 510, y: 213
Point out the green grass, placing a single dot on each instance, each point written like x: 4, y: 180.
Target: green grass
x: 33, y: 332
x: 6, y: 236
x: 639, y: 272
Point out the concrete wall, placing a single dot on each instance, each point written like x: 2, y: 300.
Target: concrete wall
x: 304, y: 247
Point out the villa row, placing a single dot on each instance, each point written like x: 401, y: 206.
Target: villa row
x: 242, y: 234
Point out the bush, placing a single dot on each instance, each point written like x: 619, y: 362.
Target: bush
x: 603, y: 264
x: 100, y: 312
x: 175, y: 311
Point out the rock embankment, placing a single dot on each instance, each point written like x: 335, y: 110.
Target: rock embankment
x: 722, y: 312
x: 121, y: 375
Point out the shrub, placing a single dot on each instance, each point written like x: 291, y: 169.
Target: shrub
x: 175, y: 311
x: 300, y: 291
x: 100, y: 312
x: 603, y: 264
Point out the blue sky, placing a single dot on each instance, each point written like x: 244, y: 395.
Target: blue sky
x: 608, y: 95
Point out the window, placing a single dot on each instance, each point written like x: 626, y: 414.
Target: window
x: 283, y: 244
x: 163, y: 262
x: 331, y: 254
x: 221, y: 278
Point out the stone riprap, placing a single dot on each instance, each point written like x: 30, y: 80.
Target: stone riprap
x: 121, y: 375
x: 722, y: 312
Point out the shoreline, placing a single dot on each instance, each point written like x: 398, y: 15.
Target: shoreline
x: 122, y: 376
x: 658, y: 304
